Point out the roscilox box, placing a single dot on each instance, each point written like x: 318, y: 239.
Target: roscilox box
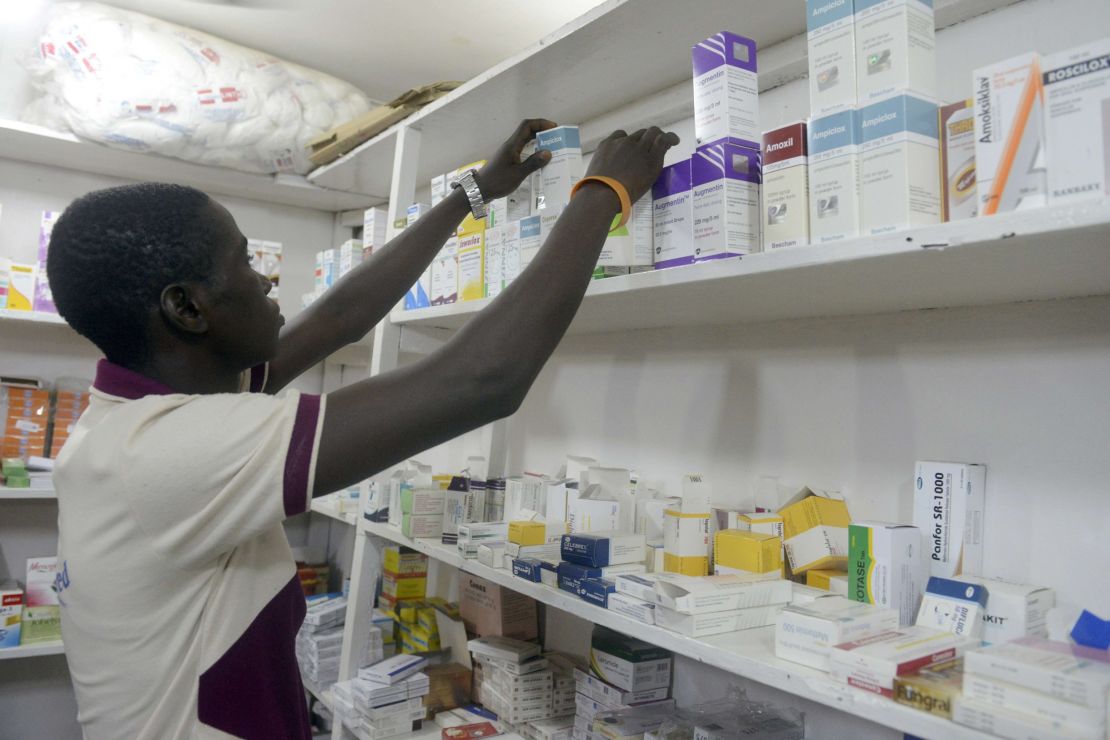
x: 1077, y: 117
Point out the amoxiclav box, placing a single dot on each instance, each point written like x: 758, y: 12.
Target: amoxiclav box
x: 725, y: 178
x: 673, y: 216
x: 726, y: 90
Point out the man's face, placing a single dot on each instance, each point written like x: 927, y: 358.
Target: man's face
x: 243, y: 322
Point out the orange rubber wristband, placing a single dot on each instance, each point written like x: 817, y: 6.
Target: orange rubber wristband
x: 620, y: 190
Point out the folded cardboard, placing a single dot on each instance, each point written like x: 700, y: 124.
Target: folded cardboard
x: 716, y: 623
x: 698, y: 595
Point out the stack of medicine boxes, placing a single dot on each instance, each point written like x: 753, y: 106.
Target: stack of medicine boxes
x: 624, y: 672
x: 873, y: 135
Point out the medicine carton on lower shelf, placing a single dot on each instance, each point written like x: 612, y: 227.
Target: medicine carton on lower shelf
x: 690, y: 595
x: 1072, y: 673
x: 804, y: 634
x: 872, y: 663
x: 628, y: 663
x: 717, y: 623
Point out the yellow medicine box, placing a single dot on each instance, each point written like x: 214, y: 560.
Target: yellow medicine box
x: 828, y: 580
x: 528, y: 533
x: 750, y: 552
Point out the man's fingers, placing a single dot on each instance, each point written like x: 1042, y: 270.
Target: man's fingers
x: 527, y: 131
x: 536, y: 161
x: 650, y: 136
x: 637, y: 135
x: 618, y: 134
x: 664, y: 142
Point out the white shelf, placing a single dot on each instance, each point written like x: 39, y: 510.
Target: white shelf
x: 428, y: 731
x: 31, y: 651
x: 643, y: 48
x: 14, y: 494
x: 1058, y: 252
x: 28, y: 143
x: 324, y: 696
x: 326, y: 507
x: 31, y: 317
x: 749, y: 654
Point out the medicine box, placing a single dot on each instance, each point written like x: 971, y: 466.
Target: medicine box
x: 1010, y: 135
x: 726, y: 90
x: 11, y: 614
x: 42, y: 619
x: 1073, y: 673
x: 421, y: 500
x: 747, y: 552
x: 398, y: 588
x: 527, y: 568
x: 631, y: 244
x: 593, y: 511
x: 888, y: 567
x: 785, y: 209
x: 628, y: 663
x: 422, y: 525
x: 492, y: 554
x: 1083, y: 721
x: 503, y: 648
x: 953, y: 606
x: 596, y: 591
x: 804, y: 634
x: 418, y: 296
x: 472, y: 265
x: 637, y: 585
x: 834, y: 581
x: 21, y: 286
x: 872, y: 663
x: 815, y: 531
x: 445, y: 274
x: 899, y: 165
x: 1077, y: 117
x: 631, y: 607
x: 395, y: 669
x: 44, y: 297
x: 510, y: 253
x: 725, y: 180
x: 597, y: 550
x: 531, y: 238
x: 1013, y: 610
x: 439, y: 189
x: 536, y: 532
x: 673, y: 216
x: 415, y: 212
x: 895, y: 49
x: 689, y: 595
x: 494, y: 262
x: 491, y: 610
x: 650, y: 515
x: 1001, y: 722
x: 401, y: 561
x: 374, y: 225
x: 686, y: 544
x: 477, y: 532
x: 956, y: 124
x: 831, y: 46
x: 716, y: 623
x: 549, y: 551
x: 350, y: 256
x: 834, y: 188
x: 562, y: 171
x: 948, y: 502
x: 934, y: 690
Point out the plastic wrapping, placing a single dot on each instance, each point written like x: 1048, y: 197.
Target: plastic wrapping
x: 138, y: 83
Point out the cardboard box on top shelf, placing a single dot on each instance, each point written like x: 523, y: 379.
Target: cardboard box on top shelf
x: 489, y: 609
x: 815, y: 530
x: 343, y: 138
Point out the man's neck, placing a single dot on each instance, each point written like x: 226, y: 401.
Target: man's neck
x: 190, y: 373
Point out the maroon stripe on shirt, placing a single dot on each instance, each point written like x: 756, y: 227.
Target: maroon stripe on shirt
x: 254, y: 690
x: 259, y: 374
x: 298, y: 461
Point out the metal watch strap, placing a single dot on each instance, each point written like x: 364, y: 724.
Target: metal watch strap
x: 469, y: 185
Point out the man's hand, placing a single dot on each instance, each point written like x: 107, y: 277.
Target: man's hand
x: 504, y: 172
x: 632, y: 160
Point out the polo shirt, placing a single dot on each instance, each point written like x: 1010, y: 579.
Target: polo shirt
x: 179, y: 596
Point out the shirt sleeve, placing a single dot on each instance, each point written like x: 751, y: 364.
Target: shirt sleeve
x: 204, y: 474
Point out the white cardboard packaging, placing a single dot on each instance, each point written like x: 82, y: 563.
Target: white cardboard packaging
x: 804, y: 634
x: 415, y: 212
x: 689, y: 595
x: 686, y: 543
x: 785, y: 187
x: 725, y: 180
x: 1010, y: 136
x: 1084, y: 721
x: 530, y: 241
x: 716, y: 623
x: 631, y: 607
x: 631, y: 244
x: 650, y: 514
x: 350, y: 255
x: 1072, y: 673
x: 726, y: 90
x: 953, y: 606
x: 887, y: 567
x: 593, y: 510
x: 445, y: 274
x: 831, y: 46
x: 899, y: 165
x: 492, y: 554
x: 872, y: 663
x: 439, y: 188
x: 1077, y: 117
x: 673, y: 216
x: 834, y: 188
x: 392, y: 670
x: 510, y: 252
x: 956, y: 127
x: 1014, y: 610
x: 1000, y: 722
x: 637, y: 585
x: 495, y: 261
x: 895, y: 49
x: 613, y: 697
x: 563, y: 170
x: 374, y: 226
x: 948, y: 504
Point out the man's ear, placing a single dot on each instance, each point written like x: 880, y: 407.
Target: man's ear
x: 181, y: 309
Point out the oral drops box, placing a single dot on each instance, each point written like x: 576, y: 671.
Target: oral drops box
x: 673, y: 216
x: 725, y: 178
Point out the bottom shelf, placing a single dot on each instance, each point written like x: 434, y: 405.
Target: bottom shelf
x: 31, y: 651
x: 749, y: 654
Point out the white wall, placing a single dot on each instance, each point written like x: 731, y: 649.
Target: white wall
x: 35, y: 695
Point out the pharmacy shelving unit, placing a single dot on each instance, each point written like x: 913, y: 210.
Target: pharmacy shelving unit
x: 31, y: 317
x: 32, y: 651
x: 26, y: 494
x: 1051, y: 253
x: 749, y: 654
x: 328, y: 509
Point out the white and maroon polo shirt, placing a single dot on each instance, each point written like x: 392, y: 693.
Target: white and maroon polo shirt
x: 180, y: 600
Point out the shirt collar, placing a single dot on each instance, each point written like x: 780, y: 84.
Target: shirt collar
x: 116, y: 380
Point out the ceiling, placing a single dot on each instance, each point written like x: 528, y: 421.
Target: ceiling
x: 382, y: 47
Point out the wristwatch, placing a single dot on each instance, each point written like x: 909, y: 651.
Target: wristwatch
x: 469, y: 185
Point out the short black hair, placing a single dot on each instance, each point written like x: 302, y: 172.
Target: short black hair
x: 113, y: 251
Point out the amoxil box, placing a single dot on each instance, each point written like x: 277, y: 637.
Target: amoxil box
x: 786, y: 187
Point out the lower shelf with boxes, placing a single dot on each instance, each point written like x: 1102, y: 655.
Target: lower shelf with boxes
x: 851, y: 614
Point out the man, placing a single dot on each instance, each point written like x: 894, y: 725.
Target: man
x: 179, y: 595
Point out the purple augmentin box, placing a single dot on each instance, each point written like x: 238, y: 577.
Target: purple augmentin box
x: 726, y: 90
x: 44, y: 299
x: 725, y: 192
x: 673, y: 217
